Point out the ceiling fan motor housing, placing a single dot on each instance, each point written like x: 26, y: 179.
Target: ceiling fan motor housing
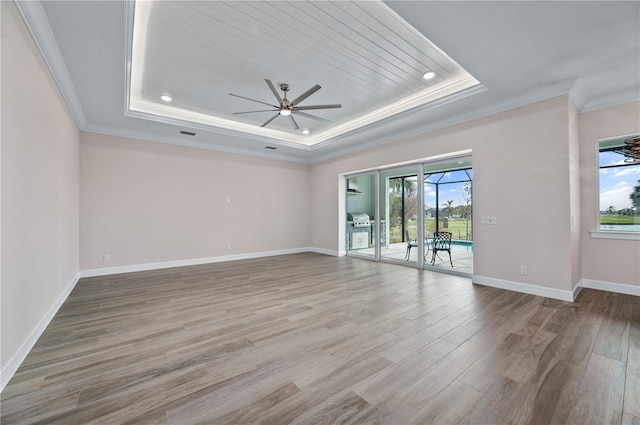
x: 287, y: 107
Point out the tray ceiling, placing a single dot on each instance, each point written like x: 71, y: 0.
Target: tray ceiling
x: 521, y: 52
x: 363, y: 55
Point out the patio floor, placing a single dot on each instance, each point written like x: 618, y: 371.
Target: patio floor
x: 461, y: 255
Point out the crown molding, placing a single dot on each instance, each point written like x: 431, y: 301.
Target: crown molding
x: 611, y: 100
x: 199, y: 144
x: 36, y: 21
x: 185, y: 123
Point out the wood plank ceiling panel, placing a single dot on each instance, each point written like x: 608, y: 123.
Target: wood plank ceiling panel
x: 363, y: 55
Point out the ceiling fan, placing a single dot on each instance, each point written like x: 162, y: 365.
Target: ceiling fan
x: 287, y: 107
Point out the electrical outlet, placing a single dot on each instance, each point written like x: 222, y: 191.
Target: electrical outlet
x: 228, y: 247
x: 106, y: 258
x: 523, y: 270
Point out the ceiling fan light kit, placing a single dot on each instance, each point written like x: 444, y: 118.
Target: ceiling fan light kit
x: 288, y: 107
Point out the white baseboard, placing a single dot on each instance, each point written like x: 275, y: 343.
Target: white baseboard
x: 577, y: 290
x: 526, y: 288
x: 18, y: 357
x: 620, y: 288
x: 325, y: 251
x: 190, y: 262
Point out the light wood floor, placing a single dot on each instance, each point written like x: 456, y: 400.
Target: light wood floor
x: 313, y: 339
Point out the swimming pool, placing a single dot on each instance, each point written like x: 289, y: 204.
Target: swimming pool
x: 462, y: 246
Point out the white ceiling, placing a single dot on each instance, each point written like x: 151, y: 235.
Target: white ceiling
x: 363, y: 55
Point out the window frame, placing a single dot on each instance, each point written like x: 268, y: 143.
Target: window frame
x: 601, y: 233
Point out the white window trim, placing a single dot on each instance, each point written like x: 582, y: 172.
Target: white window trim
x: 609, y: 234
x: 603, y: 234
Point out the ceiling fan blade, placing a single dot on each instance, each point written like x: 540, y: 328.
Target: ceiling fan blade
x: 313, y: 117
x: 306, y: 94
x: 251, y: 112
x: 294, y: 123
x: 270, y: 119
x: 253, y: 100
x: 274, y: 91
x: 304, y: 108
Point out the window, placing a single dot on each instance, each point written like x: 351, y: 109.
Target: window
x: 619, y: 188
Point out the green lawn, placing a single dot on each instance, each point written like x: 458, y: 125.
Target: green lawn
x: 457, y: 226
x: 619, y: 219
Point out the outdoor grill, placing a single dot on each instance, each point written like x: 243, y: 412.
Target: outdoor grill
x: 358, y: 230
x: 359, y: 219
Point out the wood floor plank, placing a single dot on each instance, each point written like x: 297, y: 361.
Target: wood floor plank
x: 499, y: 404
x: 488, y: 367
x: 613, y: 338
x: 450, y: 406
x: 389, y: 381
x: 336, y: 410
x: 550, y: 399
x: 387, y: 412
x: 577, y: 327
x: 632, y: 382
x: 313, y: 339
x: 257, y: 406
x: 428, y: 384
x: 600, y: 396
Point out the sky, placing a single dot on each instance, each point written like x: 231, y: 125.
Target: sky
x: 616, y: 184
x: 448, y: 192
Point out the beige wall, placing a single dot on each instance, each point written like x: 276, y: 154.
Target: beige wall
x: 607, y: 260
x: 521, y: 175
x: 145, y: 202
x: 40, y: 157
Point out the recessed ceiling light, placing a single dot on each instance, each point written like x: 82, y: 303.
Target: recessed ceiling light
x: 305, y: 131
x: 166, y: 98
x: 285, y: 112
x: 428, y: 75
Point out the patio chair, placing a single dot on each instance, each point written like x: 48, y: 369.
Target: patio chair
x: 441, y: 242
x: 411, y: 243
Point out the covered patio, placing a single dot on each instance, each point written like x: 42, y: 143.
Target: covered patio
x: 461, y: 256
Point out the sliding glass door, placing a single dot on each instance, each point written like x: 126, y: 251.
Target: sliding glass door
x: 448, y: 209
x: 399, y: 190
x: 418, y: 215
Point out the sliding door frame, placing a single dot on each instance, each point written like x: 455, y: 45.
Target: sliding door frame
x: 420, y: 167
